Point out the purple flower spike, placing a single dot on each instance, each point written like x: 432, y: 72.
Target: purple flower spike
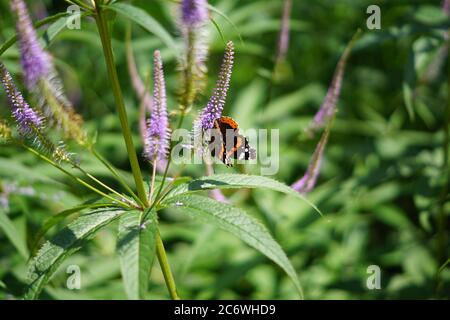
x: 213, y: 109
x: 192, y: 25
x: 194, y: 12
x: 283, y: 40
x: 36, y: 63
x: 308, y: 181
x: 158, y: 132
x: 446, y: 7
x: 27, y: 119
x: 328, y: 107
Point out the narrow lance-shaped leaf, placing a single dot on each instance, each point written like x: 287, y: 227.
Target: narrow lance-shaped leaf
x: 238, y: 223
x: 236, y: 181
x: 146, y: 21
x: 11, y: 232
x: 136, y: 249
x: 64, y: 244
x: 60, y: 216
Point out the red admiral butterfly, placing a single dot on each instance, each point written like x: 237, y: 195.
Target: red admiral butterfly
x: 230, y: 143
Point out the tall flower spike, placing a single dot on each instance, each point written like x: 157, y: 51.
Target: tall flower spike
x: 36, y: 63
x: 193, y: 18
x: 29, y: 123
x: 42, y: 79
x: 328, y: 106
x: 194, y: 12
x: 309, y: 179
x: 214, y: 107
x: 283, y: 40
x: 158, y: 132
x: 446, y: 7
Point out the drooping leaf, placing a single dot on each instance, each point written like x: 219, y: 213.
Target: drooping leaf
x: 239, y: 223
x: 13, y: 234
x: 235, y: 181
x: 136, y: 249
x: 146, y: 21
x: 65, y: 243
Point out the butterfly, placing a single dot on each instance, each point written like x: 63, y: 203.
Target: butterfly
x: 229, y: 143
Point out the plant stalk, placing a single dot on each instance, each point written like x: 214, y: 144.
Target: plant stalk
x: 165, y: 267
x: 112, y: 73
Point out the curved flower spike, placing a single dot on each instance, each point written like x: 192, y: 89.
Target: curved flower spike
x: 36, y: 62
x: 214, y: 108
x: 29, y: 123
x: 309, y: 179
x: 42, y: 79
x: 328, y: 107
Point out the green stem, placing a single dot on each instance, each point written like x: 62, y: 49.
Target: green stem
x: 112, y: 73
x: 165, y: 267
x: 152, y: 185
x: 116, y: 174
x: 166, y: 170
x: 114, y: 79
x: 79, y: 180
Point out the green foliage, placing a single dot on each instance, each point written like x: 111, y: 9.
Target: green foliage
x: 146, y: 21
x: 64, y: 244
x: 235, y: 181
x: 383, y: 188
x: 12, y: 234
x: 136, y: 249
x: 238, y: 223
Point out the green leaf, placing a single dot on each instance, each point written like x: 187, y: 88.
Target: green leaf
x: 409, y: 84
x: 239, y: 223
x: 136, y: 249
x: 65, y: 243
x: 446, y: 263
x: 5, y: 46
x: 146, y: 21
x: 235, y: 181
x: 223, y: 15
x: 60, y: 216
x: 54, y: 29
x: 13, y: 234
x: 282, y: 107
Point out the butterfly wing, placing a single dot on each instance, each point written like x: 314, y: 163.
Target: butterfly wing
x: 243, y: 151
x: 233, y: 145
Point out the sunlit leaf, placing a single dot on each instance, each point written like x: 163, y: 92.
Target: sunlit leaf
x: 136, y: 249
x: 240, y: 224
x: 235, y: 181
x: 64, y: 244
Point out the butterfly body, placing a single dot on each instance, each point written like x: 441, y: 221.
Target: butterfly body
x: 227, y: 143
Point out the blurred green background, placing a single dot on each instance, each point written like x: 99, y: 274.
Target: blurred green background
x: 384, y: 180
